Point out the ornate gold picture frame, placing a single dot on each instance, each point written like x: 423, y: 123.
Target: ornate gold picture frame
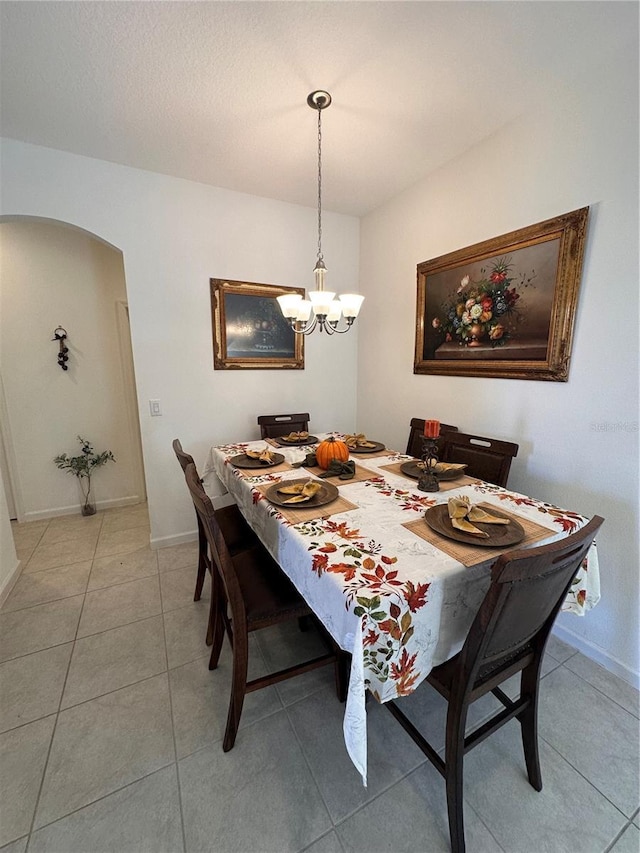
x: 504, y: 307
x: 249, y: 331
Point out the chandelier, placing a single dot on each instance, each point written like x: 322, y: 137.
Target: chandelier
x: 326, y: 309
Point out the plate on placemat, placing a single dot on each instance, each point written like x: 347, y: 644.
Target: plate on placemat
x: 328, y: 492
x: 412, y: 469
x: 437, y: 517
x: 244, y: 461
x: 376, y: 446
x: 283, y: 441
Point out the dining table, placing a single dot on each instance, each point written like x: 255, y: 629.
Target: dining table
x: 392, y: 589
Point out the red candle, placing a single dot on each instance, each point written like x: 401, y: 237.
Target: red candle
x: 431, y: 429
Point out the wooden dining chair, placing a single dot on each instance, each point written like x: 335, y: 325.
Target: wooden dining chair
x: 237, y: 532
x: 416, y: 434
x: 271, y: 426
x: 508, y: 635
x: 486, y: 458
x: 255, y: 594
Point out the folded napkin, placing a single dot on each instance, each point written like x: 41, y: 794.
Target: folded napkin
x: 357, y: 440
x: 462, y: 513
x: 309, y: 461
x: 342, y: 470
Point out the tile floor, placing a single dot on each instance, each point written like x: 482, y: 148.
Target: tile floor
x: 111, y: 729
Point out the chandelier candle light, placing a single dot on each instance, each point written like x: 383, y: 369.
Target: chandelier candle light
x: 326, y: 309
x: 428, y: 482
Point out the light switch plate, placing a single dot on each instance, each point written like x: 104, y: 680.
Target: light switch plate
x: 154, y: 408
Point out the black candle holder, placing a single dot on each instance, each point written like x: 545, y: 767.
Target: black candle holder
x: 427, y: 481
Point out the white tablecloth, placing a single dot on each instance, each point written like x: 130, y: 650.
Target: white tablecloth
x: 399, y: 604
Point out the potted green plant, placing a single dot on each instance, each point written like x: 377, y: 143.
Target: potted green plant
x: 83, y: 467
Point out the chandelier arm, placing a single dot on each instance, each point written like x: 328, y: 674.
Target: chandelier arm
x: 306, y: 329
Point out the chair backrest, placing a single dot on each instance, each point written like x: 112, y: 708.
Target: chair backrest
x: 527, y: 589
x: 217, y: 544
x: 271, y: 426
x: 486, y: 458
x: 416, y: 434
x: 183, y: 458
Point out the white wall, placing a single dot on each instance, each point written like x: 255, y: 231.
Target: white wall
x: 174, y: 236
x: 579, y: 440
x: 54, y: 275
x: 8, y: 556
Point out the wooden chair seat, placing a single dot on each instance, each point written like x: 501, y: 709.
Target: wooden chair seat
x: 272, y: 426
x: 250, y: 592
x: 508, y: 636
x: 486, y: 458
x: 268, y: 594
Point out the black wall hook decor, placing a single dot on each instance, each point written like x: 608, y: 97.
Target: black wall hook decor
x: 60, y: 335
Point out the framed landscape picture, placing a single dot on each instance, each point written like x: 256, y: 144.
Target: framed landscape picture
x: 249, y: 331
x: 504, y: 307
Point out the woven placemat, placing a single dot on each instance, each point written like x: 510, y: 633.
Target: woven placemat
x: 470, y: 555
x: 360, y: 475
x: 266, y: 469
x: 445, y: 485
x: 296, y: 516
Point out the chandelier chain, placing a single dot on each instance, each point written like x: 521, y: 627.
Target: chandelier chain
x: 320, y: 185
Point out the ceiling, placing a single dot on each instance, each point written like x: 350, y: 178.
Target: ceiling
x: 216, y: 91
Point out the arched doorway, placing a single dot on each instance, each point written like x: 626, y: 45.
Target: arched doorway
x: 54, y: 274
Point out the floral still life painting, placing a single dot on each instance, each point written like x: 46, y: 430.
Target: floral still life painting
x: 505, y: 307
x: 486, y: 310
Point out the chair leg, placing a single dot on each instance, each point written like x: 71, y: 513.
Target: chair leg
x: 238, y: 686
x: 454, y: 758
x: 528, y: 719
x: 202, y: 562
x: 342, y: 672
x: 215, y: 631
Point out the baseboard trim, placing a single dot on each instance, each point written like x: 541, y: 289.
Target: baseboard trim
x: 74, y: 509
x: 598, y: 654
x: 169, y: 541
x: 10, y: 581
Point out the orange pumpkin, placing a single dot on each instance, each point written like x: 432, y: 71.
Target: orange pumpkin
x: 329, y: 449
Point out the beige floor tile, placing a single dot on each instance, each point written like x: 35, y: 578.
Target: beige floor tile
x: 40, y: 587
x: 24, y: 554
x: 185, y: 633
x: 77, y: 521
x: 178, y: 557
x: 31, y: 686
x: 18, y: 846
x: 220, y: 791
x: 567, y: 816
x: 41, y: 526
x: 119, y: 568
x: 122, y: 541
x: 60, y: 554
x: 145, y: 814
x: 23, y: 753
x: 54, y: 535
x: 102, y: 745
x: 594, y: 734
x: 615, y: 688
x: 177, y: 588
x: 200, y: 700
x: 118, y: 605
x: 27, y: 537
x: 114, y: 659
x: 41, y: 627
x: 124, y: 519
